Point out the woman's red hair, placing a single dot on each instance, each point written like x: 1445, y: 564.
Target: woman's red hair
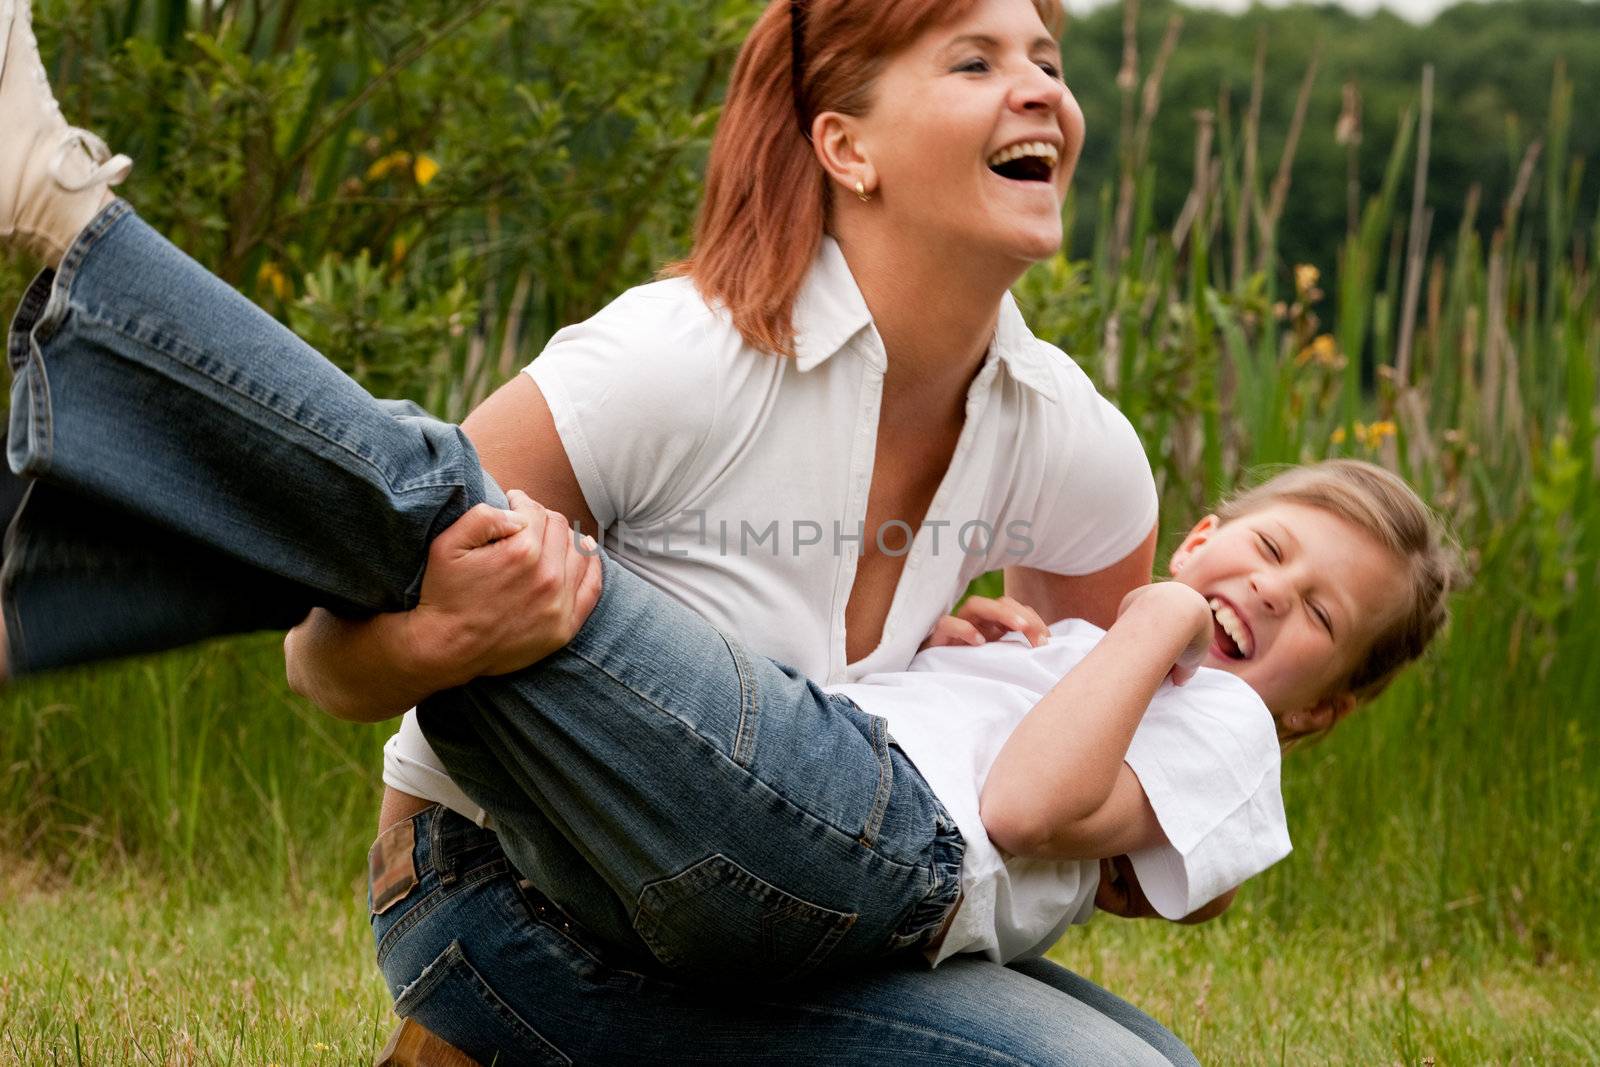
x: 766, y: 197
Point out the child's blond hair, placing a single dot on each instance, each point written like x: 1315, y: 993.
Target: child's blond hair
x: 1382, y: 504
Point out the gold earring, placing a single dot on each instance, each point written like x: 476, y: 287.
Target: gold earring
x: 861, y: 191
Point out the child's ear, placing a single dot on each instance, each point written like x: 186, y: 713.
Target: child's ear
x: 1319, y: 718
x: 1198, y: 536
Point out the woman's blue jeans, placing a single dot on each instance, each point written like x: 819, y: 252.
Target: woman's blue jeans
x: 687, y: 810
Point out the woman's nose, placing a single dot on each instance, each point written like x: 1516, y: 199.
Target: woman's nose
x: 1037, y: 91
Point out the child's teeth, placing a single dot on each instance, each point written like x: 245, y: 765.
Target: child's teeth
x: 1229, y: 620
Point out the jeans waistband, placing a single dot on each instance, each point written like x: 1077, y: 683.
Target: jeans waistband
x: 446, y: 842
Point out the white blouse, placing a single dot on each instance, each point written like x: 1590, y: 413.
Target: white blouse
x: 737, y: 481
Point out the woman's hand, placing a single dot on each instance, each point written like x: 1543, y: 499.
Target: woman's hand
x: 1176, y: 604
x: 502, y: 590
x: 982, y: 619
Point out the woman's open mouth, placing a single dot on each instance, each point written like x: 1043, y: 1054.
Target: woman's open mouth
x: 1030, y: 161
x: 1231, y: 636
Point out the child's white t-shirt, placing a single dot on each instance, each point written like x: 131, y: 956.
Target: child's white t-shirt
x: 1206, y: 754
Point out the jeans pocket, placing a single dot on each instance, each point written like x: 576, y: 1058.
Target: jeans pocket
x: 716, y: 921
x: 452, y: 1000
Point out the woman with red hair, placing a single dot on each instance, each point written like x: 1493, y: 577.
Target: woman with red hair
x: 815, y: 435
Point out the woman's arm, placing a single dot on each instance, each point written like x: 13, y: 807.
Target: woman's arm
x: 481, y: 597
x: 1060, y: 787
x: 1094, y: 597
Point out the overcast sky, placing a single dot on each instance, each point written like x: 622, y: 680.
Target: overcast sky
x: 1415, y: 10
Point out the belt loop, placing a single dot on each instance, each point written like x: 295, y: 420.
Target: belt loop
x: 444, y: 864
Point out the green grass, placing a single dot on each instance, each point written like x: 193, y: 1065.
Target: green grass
x: 120, y: 969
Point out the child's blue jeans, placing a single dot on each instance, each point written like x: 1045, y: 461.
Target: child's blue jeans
x: 702, y: 811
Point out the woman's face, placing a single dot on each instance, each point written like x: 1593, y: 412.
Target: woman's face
x: 973, y: 136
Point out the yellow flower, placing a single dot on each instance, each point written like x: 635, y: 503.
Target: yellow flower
x: 322, y: 1046
x: 1375, y: 433
x: 382, y: 168
x: 273, y: 278
x: 422, y: 167
x: 1338, y: 435
x: 1324, y: 351
x: 425, y: 169
x: 1306, y: 277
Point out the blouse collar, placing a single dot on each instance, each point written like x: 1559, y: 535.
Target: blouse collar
x: 830, y: 312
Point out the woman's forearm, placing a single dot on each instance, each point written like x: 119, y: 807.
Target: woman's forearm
x: 354, y: 669
x: 1057, y: 771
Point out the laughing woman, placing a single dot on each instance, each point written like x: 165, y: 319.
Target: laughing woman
x: 816, y: 436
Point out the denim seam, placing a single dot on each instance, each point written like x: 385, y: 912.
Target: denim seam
x: 67, y: 270
x: 175, y: 350
x: 744, y: 742
x: 880, y: 800
x: 436, y: 896
x: 154, y: 345
x: 455, y: 956
x: 27, y: 363
x: 751, y: 777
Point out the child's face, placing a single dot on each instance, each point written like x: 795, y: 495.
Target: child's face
x: 1298, y: 595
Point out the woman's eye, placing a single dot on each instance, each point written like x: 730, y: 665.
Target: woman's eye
x: 973, y: 66
x: 1051, y: 69
x: 1270, y: 547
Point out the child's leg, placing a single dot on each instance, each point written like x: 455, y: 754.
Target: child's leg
x: 748, y: 826
x: 86, y: 581
x: 144, y: 382
x: 741, y: 820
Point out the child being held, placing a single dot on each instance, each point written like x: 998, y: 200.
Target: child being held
x: 1160, y: 738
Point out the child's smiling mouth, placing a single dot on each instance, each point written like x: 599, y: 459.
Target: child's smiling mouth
x: 1232, y: 634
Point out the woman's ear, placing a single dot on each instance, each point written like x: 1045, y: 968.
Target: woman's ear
x: 841, y: 153
x: 1198, y: 536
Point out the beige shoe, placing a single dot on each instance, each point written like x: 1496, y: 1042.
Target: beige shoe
x: 53, y: 177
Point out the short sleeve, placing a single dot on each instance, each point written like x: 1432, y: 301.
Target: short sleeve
x: 633, y: 392
x: 1097, y: 499
x: 1207, y: 757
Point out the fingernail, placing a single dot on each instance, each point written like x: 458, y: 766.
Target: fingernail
x: 589, y: 543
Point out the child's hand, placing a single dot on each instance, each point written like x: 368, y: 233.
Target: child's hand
x: 982, y: 619
x: 1175, y: 604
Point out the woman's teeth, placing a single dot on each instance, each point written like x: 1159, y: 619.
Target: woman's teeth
x: 1042, y: 149
x: 1029, y: 161
x: 1233, y: 626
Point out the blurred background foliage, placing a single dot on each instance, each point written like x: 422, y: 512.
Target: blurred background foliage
x: 1294, y: 233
